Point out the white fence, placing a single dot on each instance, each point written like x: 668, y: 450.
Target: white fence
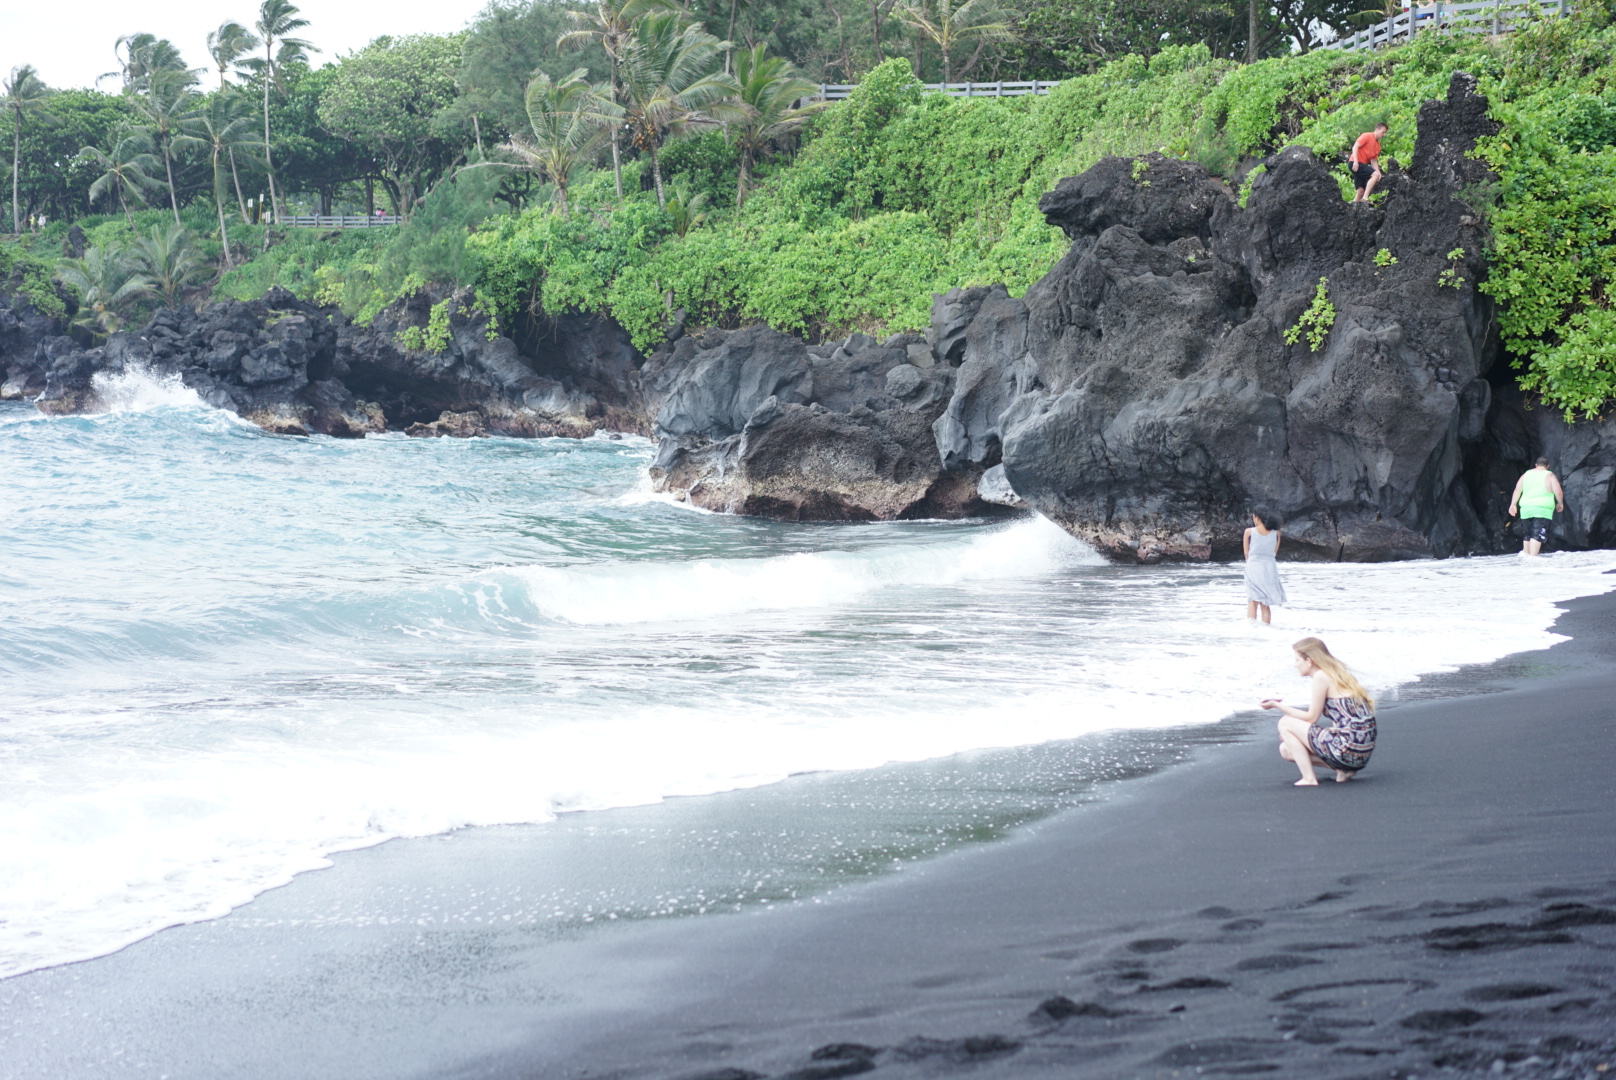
x: 1479, y: 17
x: 837, y: 91
x: 339, y: 221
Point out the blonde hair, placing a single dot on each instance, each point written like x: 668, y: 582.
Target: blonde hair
x: 1316, y: 651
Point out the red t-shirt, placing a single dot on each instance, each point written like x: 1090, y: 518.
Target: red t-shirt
x: 1366, y: 149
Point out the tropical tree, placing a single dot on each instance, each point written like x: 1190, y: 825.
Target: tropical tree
x: 670, y: 84
x: 54, y: 177
x: 686, y: 211
x: 168, y: 258
x: 277, y: 20
x: 164, y: 102
x: 108, y: 284
x: 126, y: 171
x: 391, y: 98
x: 770, y: 89
x: 948, y: 24
x: 24, y: 96
x: 139, y: 55
x: 610, y: 23
x: 220, y: 128
x: 567, y: 118
x: 227, y: 45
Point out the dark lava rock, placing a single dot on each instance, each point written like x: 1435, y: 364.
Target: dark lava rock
x: 24, y: 329
x: 1143, y: 396
x: 293, y: 368
x: 758, y: 422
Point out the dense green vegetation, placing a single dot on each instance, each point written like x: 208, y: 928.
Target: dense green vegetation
x: 853, y: 217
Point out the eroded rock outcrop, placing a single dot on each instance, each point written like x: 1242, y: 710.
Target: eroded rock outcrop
x: 23, y: 329
x: 293, y: 368
x: 758, y: 422
x: 1144, y: 396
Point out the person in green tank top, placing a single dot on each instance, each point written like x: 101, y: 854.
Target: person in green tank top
x: 1538, y: 496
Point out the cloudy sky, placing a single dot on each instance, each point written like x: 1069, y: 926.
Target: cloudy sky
x: 71, y: 42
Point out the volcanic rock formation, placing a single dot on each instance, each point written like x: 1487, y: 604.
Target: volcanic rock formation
x: 1145, y: 394
x: 758, y: 422
x: 293, y: 368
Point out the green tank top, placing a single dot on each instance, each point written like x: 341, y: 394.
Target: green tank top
x: 1537, y: 500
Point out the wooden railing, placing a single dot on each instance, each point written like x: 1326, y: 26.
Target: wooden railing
x: 339, y: 221
x: 1478, y: 17
x: 837, y: 91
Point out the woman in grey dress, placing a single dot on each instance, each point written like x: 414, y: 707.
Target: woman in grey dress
x: 1263, y: 588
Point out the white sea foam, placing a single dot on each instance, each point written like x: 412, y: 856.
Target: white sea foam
x: 139, y: 389
x: 649, y: 591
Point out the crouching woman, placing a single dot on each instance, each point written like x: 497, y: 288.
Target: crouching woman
x: 1337, y: 729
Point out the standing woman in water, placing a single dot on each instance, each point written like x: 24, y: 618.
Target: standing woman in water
x: 1263, y: 589
x: 1337, y: 729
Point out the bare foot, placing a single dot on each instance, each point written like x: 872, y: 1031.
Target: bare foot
x: 1342, y: 776
x: 1308, y: 781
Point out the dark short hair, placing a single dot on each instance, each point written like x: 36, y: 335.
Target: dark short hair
x: 1269, y: 519
x: 1540, y: 461
x: 1383, y: 124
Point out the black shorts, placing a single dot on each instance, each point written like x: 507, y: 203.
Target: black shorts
x: 1361, y: 173
x: 1535, y: 529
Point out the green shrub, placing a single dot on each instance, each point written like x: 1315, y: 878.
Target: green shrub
x: 30, y: 277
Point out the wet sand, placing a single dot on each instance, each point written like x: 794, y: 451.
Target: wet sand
x: 1450, y: 912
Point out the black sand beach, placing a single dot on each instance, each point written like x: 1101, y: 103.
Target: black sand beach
x: 1451, y: 912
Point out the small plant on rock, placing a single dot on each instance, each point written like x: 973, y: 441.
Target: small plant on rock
x: 1245, y: 186
x: 1316, y: 321
x: 1140, y: 168
x: 436, y: 337
x: 1384, y: 258
x: 1450, y: 276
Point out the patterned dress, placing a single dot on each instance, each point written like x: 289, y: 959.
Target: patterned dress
x: 1344, y: 734
x: 1262, y: 573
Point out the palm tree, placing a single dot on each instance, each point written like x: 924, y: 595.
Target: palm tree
x: 770, y: 88
x: 107, y: 283
x: 276, y: 20
x: 227, y: 45
x: 222, y: 127
x: 127, y: 170
x: 141, y: 54
x: 165, y: 102
x: 980, y: 21
x: 167, y: 256
x: 611, y: 22
x: 686, y: 209
x: 567, y: 118
x: 670, y: 84
x: 23, y: 95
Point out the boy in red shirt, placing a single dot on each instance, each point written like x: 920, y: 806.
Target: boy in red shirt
x: 1364, y: 163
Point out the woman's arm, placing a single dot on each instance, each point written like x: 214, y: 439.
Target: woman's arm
x: 1245, y: 544
x: 1320, y: 690
x: 1278, y: 537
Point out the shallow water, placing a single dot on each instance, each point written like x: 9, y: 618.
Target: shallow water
x: 225, y: 655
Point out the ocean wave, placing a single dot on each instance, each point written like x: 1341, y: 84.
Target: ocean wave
x: 644, y: 591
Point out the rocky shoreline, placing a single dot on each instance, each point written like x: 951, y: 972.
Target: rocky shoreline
x: 1144, y: 394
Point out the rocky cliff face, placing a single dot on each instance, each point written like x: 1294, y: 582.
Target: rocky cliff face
x: 1144, y: 395
x: 758, y: 422
x: 23, y: 327
x: 293, y: 368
